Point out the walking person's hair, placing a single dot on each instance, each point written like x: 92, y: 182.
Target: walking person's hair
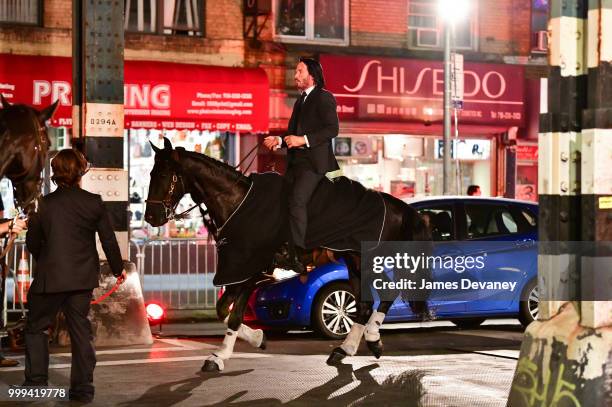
x: 315, y: 70
x: 68, y: 167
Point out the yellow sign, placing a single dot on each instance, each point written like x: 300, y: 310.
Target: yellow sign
x: 605, y: 202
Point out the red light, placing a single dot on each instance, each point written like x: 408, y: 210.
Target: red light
x: 155, y: 312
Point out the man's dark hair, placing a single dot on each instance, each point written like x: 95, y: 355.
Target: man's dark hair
x: 315, y: 70
x: 472, y: 189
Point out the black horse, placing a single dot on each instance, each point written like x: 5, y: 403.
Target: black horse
x: 23, y: 149
x: 223, y: 190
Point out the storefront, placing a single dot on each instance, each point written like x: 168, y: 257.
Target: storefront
x: 526, y: 187
x: 201, y: 108
x: 390, y: 113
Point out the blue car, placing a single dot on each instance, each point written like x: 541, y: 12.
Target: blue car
x: 458, y: 225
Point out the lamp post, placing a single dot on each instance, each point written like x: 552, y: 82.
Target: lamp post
x: 451, y: 11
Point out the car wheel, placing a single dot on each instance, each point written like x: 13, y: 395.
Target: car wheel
x: 334, y: 311
x: 468, y: 323
x: 529, y: 309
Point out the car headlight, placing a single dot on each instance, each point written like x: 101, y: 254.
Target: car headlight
x: 282, y: 274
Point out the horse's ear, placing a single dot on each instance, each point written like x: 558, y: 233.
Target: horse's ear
x: 47, y: 112
x: 167, y: 144
x: 155, y: 148
x: 5, y: 103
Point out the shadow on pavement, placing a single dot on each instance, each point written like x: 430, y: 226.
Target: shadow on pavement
x: 405, y: 386
x: 167, y: 394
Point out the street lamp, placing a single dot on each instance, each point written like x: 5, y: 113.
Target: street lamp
x: 451, y: 11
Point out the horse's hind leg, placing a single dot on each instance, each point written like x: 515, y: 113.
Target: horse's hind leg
x: 364, y: 309
x: 372, y: 328
x: 235, y: 329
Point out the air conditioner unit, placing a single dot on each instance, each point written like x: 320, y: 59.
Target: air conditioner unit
x: 542, y: 41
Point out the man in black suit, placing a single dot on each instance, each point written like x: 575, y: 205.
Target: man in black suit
x: 61, y: 237
x: 312, y: 126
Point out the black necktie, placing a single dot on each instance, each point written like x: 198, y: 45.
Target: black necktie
x: 299, y: 113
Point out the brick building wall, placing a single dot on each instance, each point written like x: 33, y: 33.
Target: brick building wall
x: 222, y: 45
x: 379, y: 23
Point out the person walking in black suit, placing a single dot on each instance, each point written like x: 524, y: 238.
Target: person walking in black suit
x: 61, y: 238
x: 312, y: 126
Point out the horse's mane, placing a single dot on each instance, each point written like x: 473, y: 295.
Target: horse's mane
x: 222, y: 167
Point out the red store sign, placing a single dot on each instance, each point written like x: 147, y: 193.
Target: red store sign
x: 390, y: 89
x: 526, y: 152
x: 156, y: 94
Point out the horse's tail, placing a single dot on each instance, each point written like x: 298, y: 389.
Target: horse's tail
x: 416, y: 230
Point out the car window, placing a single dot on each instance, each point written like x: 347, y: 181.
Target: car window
x: 440, y: 221
x: 489, y: 219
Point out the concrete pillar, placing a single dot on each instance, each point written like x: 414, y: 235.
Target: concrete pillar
x: 566, y: 356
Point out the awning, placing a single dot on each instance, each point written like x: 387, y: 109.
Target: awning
x: 158, y: 95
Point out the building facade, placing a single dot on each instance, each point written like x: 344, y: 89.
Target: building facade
x: 215, y: 75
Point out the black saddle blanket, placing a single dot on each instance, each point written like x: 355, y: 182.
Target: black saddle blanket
x: 342, y: 213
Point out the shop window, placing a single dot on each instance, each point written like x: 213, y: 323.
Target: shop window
x: 28, y: 12
x: 426, y: 28
x: 321, y: 21
x: 539, y: 25
x: 168, y: 17
x: 488, y: 220
x: 440, y: 221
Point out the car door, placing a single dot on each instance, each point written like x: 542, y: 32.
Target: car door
x: 498, y: 231
x: 440, y: 217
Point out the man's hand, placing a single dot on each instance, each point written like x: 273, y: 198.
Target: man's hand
x: 295, y: 141
x: 19, y: 225
x: 122, y: 277
x: 271, y: 143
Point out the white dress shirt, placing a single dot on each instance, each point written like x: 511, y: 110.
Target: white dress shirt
x: 307, y: 91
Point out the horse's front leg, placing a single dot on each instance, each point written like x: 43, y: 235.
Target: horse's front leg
x: 235, y: 329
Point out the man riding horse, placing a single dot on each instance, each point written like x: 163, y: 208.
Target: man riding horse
x: 248, y: 217
x: 312, y: 126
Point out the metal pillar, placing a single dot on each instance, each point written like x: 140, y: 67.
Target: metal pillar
x: 98, y: 129
x: 566, y: 356
x: 448, y: 180
x: 98, y: 104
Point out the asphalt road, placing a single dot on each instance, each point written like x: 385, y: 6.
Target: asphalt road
x: 431, y: 364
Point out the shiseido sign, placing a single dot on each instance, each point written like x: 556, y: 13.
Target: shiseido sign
x: 373, y: 88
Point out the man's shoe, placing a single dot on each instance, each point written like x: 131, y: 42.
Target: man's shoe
x: 4, y: 362
x: 80, y: 397
x: 297, y: 266
x: 28, y: 383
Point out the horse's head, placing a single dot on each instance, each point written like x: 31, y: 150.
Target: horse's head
x: 166, y: 187
x: 23, y: 148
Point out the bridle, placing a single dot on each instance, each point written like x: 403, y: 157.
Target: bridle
x: 169, y: 207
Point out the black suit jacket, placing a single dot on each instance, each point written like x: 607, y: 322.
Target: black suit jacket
x: 62, y: 238
x: 318, y: 120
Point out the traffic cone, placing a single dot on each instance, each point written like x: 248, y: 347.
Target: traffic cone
x: 23, y: 278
